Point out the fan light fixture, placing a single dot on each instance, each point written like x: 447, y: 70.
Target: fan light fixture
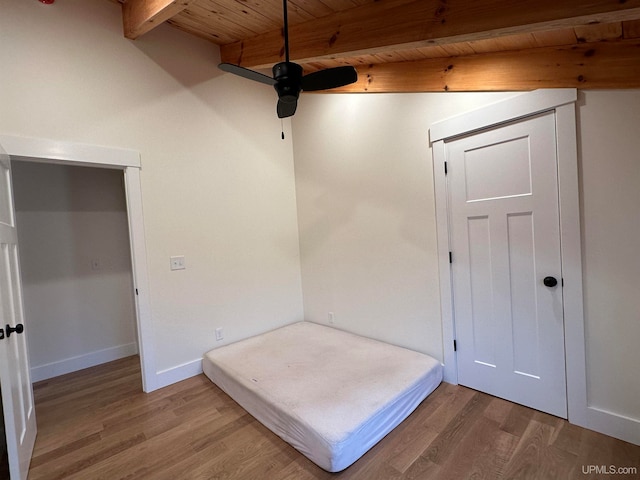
x: 288, y: 78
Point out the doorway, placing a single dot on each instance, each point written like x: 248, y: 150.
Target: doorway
x: 76, y: 266
x: 17, y: 371
x: 127, y: 161
x: 562, y: 103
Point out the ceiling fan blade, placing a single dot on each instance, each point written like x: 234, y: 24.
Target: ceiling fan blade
x: 246, y: 73
x: 286, y: 109
x: 329, y: 78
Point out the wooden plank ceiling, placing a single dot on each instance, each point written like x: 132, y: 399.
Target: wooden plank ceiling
x: 420, y: 45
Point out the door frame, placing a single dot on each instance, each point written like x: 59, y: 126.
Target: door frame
x: 128, y: 161
x: 562, y: 101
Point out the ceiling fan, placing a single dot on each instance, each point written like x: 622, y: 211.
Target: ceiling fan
x: 288, y: 79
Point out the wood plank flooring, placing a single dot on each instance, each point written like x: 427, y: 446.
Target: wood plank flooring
x: 4, y: 459
x: 98, y: 424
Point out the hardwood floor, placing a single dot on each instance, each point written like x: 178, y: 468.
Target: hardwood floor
x: 98, y: 424
x: 4, y: 459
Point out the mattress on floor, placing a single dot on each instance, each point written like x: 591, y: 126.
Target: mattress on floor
x: 330, y: 394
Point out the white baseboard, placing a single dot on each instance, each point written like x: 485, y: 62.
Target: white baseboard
x: 176, y: 374
x: 614, y: 425
x: 73, y: 364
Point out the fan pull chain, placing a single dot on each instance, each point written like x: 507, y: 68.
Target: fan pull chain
x: 282, y: 128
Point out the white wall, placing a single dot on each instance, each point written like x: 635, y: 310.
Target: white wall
x: 367, y: 227
x: 217, y: 180
x: 76, y: 266
x: 366, y: 212
x: 610, y: 198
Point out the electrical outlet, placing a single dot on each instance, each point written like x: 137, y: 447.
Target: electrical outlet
x: 219, y: 334
x: 177, y: 262
x: 331, y: 318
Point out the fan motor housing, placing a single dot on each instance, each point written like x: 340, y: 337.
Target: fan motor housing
x: 288, y: 76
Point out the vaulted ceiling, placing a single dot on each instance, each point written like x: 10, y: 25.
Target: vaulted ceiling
x: 420, y: 45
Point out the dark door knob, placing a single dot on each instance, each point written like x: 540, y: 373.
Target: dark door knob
x: 19, y: 328
x: 550, y: 281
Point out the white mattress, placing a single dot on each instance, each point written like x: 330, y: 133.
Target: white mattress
x: 331, y: 394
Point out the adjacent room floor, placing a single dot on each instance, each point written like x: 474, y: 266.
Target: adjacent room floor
x: 97, y: 423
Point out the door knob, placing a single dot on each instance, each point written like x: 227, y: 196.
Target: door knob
x: 550, y: 281
x: 19, y: 328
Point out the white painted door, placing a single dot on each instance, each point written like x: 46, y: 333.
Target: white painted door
x: 15, y: 381
x: 505, y: 239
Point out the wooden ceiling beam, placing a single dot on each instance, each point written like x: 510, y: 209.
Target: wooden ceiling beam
x: 598, y: 65
x: 141, y: 16
x: 389, y: 25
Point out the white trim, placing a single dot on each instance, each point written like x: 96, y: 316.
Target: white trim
x: 176, y: 374
x: 140, y: 277
x: 79, y: 362
x: 502, y: 111
x: 571, y: 245
x: 562, y: 101
x: 615, y: 425
x: 51, y: 151
x: 444, y: 267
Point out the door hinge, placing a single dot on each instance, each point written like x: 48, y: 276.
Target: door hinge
x: 455, y: 346
x: 450, y: 257
x: 562, y: 282
x: 445, y: 168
